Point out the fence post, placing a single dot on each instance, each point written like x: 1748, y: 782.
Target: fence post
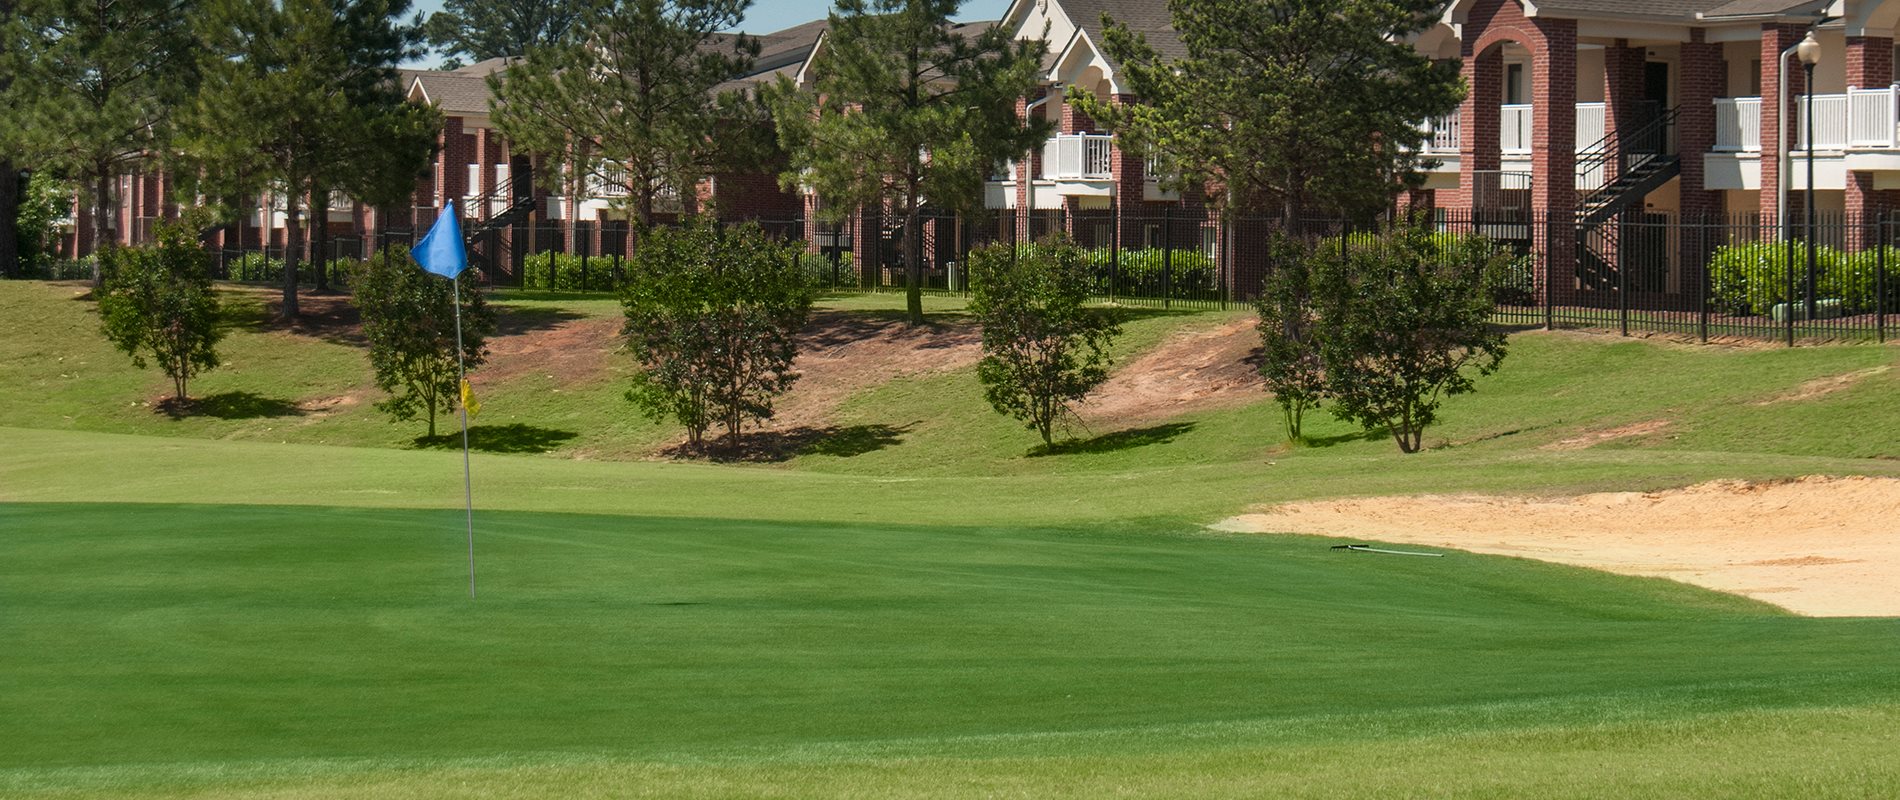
x: 1115, y: 252
x: 1787, y: 303
x: 1702, y: 283
x: 1622, y: 293
x: 1880, y: 280
x: 1549, y: 236
x: 1167, y: 256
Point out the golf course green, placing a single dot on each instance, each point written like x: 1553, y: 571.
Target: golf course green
x: 276, y: 605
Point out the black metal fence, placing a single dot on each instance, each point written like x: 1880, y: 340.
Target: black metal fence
x: 1707, y: 277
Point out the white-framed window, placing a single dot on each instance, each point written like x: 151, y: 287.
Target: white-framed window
x: 474, y: 179
x: 1151, y: 236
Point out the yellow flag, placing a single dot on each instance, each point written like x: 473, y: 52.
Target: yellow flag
x: 468, y: 399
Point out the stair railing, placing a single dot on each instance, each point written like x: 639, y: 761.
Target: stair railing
x: 1631, y: 149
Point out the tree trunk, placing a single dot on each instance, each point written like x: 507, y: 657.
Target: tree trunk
x: 913, y: 263
x: 9, y: 219
x: 320, y: 237
x: 293, y: 248
x: 101, y: 206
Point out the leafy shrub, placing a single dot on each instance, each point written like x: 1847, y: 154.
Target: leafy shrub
x: 713, y: 314
x: 1043, y: 348
x: 157, y: 306
x: 1752, y: 278
x: 1140, y: 273
x: 573, y: 273
x: 254, y: 268
x: 409, y: 319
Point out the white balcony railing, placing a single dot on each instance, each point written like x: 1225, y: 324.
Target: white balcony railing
x: 1078, y: 156
x: 1592, y: 124
x: 1830, y: 122
x: 1870, y: 117
x: 1444, y: 134
x: 1860, y: 119
x: 1514, y: 129
x: 1738, y: 124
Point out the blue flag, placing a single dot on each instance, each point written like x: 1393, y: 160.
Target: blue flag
x: 440, y: 251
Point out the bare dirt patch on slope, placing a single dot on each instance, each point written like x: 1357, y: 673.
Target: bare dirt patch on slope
x: 569, y: 351
x: 1589, y: 439
x: 842, y: 354
x: 1819, y: 546
x: 1822, y: 387
x: 1194, y: 371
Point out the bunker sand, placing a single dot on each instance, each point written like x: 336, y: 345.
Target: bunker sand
x: 1817, y: 546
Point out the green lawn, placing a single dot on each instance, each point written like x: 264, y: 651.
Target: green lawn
x: 240, y: 608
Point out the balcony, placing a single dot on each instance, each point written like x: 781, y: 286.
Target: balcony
x: 1079, y: 157
x: 1516, y: 133
x: 1859, y: 120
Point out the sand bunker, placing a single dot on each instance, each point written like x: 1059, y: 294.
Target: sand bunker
x: 1825, y: 547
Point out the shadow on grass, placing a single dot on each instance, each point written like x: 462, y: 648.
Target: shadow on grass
x: 230, y: 405
x: 1344, y: 438
x: 517, y: 320
x: 514, y: 437
x: 1116, y: 441
x: 774, y: 446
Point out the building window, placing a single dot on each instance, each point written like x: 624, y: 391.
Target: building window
x: 1754, y: 78
x: 1210, y: 242
x: 1514, y: 84
x: 1151, y: 236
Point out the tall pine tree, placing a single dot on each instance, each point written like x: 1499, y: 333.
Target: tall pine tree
x: 906, y: 107
x: 1314, y: 106
x: 633, y: 107
x: 301, y: 97
x: 102, y: 81
x: 477, y: 30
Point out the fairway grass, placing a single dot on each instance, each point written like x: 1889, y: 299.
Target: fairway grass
x: 272, y: 603
x: 320, y: 651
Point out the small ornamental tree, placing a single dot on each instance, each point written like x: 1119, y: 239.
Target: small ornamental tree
x: 1403, y: 321
x: 712, y: 318
x: 1289, y: 335
x: 1042, y: 347
x: 409, y: 320
x: 157, y: 306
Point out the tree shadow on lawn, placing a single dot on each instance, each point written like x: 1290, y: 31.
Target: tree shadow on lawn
x: 1344, y: 438
x: 513, y: 438
x: 516, y: 320
x: 229, y: 405
x: 805, y: 440
x: 1116, y: 441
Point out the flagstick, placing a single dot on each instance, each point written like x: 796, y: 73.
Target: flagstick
x: 468, y: 488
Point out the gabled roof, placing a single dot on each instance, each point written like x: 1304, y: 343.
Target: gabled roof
x: 803, y: 72
x: 1147, y: 17
x: 1757, y: 8
x: 452, y: 91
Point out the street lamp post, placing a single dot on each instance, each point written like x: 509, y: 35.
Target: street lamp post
x: 1809, y: 52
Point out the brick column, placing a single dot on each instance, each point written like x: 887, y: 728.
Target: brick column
x: 1554, y: 146
x: 1702, y: 80
x: 1869, y: 66
x: 1774, y: 39
x: 1479, y: 144
x: 1131, y: 189
x: 1623, y: 67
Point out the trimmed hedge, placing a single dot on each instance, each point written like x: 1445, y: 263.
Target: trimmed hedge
x: 572, y: 273
x: 1752, y: 278
x: 1140, y: 273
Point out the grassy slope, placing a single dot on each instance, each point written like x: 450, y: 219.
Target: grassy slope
x: 1205, y: 665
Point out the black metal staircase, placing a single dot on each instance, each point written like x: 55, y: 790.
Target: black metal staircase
x: 488, y: 214
x: 1644, y: 159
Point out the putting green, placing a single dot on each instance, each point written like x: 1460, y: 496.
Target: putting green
x: 164, y: 647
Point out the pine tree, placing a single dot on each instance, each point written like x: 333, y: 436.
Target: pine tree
x: 102, y: 79
x: 1310, y: 105
x: 906, y: 107
x: 633, y: 107
x: 482, y: 29
x: 301, y: 97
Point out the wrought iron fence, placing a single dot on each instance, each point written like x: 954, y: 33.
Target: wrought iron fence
x: 1638, y: 272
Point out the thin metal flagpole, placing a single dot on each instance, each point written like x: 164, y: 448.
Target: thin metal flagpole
x: 462, y: 393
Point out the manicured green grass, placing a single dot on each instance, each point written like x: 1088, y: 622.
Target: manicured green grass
x: 189, y: 639
x: 235, y: 607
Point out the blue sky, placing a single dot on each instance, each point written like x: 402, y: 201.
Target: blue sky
x: 766, y: 16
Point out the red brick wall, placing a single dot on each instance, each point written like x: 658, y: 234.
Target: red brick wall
x: 1774, y: 39
x: 1869, y: 65
x: 1702, y: 80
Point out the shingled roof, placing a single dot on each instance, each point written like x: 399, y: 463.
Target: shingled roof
x: 1147, y: 17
